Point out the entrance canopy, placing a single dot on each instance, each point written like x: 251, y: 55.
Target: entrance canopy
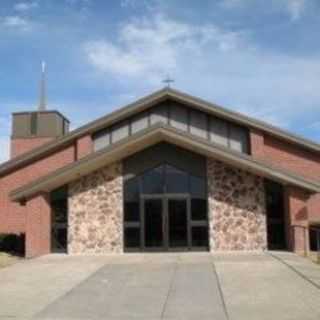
x: 151, y: 136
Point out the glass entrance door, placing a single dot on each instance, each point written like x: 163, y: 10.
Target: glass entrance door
x: 166, y: 225
x: 178, y: 226
x: 153, y: 223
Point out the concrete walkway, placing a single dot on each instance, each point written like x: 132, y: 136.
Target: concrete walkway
x: 161, y: 286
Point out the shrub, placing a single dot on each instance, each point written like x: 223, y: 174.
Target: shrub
x: 12, y: 243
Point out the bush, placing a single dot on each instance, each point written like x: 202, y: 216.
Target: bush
x: 12, y: 243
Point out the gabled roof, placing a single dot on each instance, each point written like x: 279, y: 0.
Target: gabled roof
x: 145, y: 103
x: 150, y: 136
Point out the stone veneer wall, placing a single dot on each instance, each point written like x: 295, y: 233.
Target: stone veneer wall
x: 237, y: 210
x: 96, y: 212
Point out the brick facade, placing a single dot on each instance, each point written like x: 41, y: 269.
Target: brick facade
x: 302, y: 209
x: 13, y: 216
x: 38, y: 226
x: 20, y: 146
x: 84, y: 146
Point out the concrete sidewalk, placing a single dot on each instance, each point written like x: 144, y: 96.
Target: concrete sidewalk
x: 161, y: 286
x: 259, y: 286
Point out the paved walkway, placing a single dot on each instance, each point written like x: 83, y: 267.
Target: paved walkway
x: 162, y: 286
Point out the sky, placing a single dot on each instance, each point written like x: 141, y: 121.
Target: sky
x: 261, y: 58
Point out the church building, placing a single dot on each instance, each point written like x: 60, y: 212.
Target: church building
x: 168, y: 172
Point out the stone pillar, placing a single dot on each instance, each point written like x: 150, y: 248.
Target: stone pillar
x: 297, y: 220
x: 96, y: 212
x: 38, y: 226
x: 237, y: 210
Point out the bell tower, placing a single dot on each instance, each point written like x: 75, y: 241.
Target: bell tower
x: 31, y: 129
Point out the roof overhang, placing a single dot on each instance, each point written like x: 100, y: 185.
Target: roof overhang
x: 151, y: 136
x: 145, y: 103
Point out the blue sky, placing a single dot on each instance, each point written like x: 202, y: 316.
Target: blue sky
x: 258, y: 57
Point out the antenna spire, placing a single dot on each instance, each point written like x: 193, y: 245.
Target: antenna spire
x: 43, y: 91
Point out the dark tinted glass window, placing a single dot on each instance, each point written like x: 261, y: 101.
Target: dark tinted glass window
x: 131, y: 211
x: 198, y: 209
x: 59, y: 205
x: 199, y: 236
x: 131, y: 204
x: 132, y: 237
x: 314, y: 236
x: 131, y: 190
x: 153, y: 181
x: 176, y: 180
x: 197, y: 187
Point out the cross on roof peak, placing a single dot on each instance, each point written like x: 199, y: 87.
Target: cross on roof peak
x: 168, y: 81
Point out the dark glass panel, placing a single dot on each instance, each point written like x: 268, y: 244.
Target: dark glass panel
x: 131, y: 190
x: 178, y: 236
x: 59, y: 216
x: 314, y: 236
x: 199, y: 236
x: 276, y: 236
x: 275, y: 216
x: 313, y: 240
x: 132, y: 237
x: 59, y: 205
x: 176, y: 180
x: 197, y: 187
x: 131, y: 211
x: 59, y: 239
x: 153, y: 223
x: 198, y: 209
x: 153, y: 181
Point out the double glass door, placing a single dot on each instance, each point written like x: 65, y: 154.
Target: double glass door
x: 165, y: 222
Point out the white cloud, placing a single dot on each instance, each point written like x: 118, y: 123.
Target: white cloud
x: 217, y: 64
x: 150, y: 48
x: 295, y: 8
x: 15, y: 22
x: 25, y: 6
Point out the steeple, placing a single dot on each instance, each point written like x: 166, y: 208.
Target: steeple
x: 30, y: 129
x: 43, y: 91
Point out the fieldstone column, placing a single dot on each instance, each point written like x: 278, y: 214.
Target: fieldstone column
x: 237, y: 210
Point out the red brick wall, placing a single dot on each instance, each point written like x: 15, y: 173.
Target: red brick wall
x: 16, y: 218
x: 38, y: 226
x: 13, y: 215
x: 285, y: 155
x: 257, y: 144
x: 297, y: 160
x: 20, y: 146
x: 84, y: 146
x: 297, y: 219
